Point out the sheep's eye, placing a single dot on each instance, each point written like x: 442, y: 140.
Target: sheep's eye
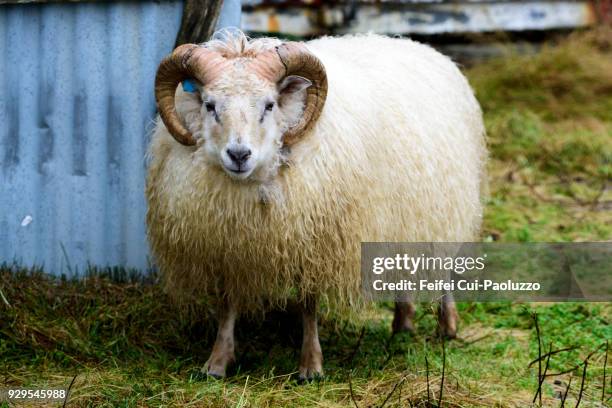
x: 210, y: 107
x: 269, y: 106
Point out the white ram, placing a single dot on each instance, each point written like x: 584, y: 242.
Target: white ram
x: 291, y: 154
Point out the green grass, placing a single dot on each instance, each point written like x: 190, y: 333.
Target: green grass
x: 129, y: 346
x: 549, y: 122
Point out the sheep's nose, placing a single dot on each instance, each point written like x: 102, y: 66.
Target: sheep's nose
x: 239, y: 155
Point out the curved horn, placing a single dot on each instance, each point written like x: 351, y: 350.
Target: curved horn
x: 293, y: 58
x: 186, y: 61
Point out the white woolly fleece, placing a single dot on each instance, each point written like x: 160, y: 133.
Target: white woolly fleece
x: 398, y: 154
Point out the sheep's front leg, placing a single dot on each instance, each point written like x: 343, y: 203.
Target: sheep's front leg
x: 223, y: 350
x: 311, y: 359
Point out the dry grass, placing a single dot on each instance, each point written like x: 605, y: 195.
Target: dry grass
x: 129, y: 346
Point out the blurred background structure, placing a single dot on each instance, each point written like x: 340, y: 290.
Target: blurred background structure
x: 425, y: 17
x: 76, y: 99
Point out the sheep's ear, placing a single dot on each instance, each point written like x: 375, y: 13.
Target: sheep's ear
x: 292, y: 84
x: 289, y: 88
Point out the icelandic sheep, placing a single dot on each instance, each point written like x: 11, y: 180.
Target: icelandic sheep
x: 263, y: 183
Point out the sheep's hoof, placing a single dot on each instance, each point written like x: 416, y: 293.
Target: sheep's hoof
x: 215, y: 376
x: 203, y: 374
x: 216, y: 371
x: 402, y: 326
x: 311, y: 364
x: 309, y: 376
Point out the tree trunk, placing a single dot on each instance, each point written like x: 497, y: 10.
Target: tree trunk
x: 199, y: 21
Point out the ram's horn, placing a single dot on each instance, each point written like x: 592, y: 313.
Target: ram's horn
x: 186, y: 61
x: 293, y: 58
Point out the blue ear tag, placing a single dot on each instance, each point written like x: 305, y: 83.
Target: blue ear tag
x: 189, y: 86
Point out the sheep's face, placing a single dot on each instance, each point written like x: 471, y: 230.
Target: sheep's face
x: 243, y: 119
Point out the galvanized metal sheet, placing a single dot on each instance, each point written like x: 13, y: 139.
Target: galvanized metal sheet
x: 76, y: 101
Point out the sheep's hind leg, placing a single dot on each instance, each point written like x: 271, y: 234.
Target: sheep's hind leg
x: 311, y: 358
x: 403, y: 315
x: 223, y: 350
x: 448, y: 318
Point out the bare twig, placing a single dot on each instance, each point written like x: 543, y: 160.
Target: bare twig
x: 541, y: 380
x: 427, y: 377
x: 351, y: 389
x: 577, y: 365
x: 603, y: 382
x: 400, y: 382
x: 584, y: 373
x: 574, y: 368
x: 535, y: 192
x: 537, y: 327
x: 68, y: 390
x: 591, y: 204
x: 469, y: 343
x: 356, y: 348
x: 553, y: 353
x: 569, y: 384
x: 386, y: 360
x: 399, y: 395
x: 388, y: 351
x: 443, y: 372
x: 547, y: 364
x: 350, y: 362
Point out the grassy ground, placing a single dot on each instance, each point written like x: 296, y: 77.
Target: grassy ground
x: 549, y: 124
x: 549, y: 119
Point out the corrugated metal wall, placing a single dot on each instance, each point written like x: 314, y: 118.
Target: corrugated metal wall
x: 76, y: 99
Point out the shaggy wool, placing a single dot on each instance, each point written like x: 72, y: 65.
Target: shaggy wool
x: 398, y: 154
